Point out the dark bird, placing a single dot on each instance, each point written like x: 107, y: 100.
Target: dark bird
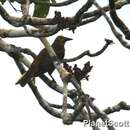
x: 43, y: 62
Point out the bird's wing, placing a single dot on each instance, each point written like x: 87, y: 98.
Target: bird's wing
x: 42, y: 63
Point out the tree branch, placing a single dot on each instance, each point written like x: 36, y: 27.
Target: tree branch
x: 14, y: 33
x: 64, y: 22
x: 118, y: 22
x: 120, y: 106
x: 101, y: 115
x: 115, y: 32
x: 88, y: 53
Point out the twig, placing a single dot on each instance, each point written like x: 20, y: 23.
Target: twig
x: 115, y: 32
x: 13, y: 52
x: 88, y: 53
x: 118, y: 22
x: 13, y: 6
x: 78, y: 15
x: 83, y: 9
x: 60, y: 106
x: 120, y: 106
x: 23, y: 50
x: 97, y: 12
x: 25, y: 4
x: 46, y: 32
x: 101, y: 114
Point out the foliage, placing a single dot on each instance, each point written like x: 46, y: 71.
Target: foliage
x: 40, y: 10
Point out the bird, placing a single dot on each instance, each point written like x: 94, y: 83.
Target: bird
x: 43, y: 62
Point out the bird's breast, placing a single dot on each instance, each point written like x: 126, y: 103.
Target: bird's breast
x: 60, y: 54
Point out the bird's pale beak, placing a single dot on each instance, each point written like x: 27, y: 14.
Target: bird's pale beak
x: 68, y: 39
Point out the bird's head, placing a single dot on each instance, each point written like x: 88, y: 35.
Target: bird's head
x: 62, y: 39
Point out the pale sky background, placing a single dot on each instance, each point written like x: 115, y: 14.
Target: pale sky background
x: 109, y: 79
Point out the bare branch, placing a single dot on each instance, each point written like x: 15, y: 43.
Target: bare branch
x: 78, y: 15
x: 120, y: 106
x: 60, y: 106
x: 64, y: 22
x: 115, y: 32
x: 17, y: 22
x: 25, y: 5
x: 14, y: 33
x: 96, y: 14
x: 101, y: 114
x: 118, y: 22
x: 88, y: 53
x: 118, y: 5
x: 12, y: 51
x: 83, y: 9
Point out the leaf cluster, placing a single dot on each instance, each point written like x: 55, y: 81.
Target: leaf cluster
x: 40, y: 10
x: 79, y: 73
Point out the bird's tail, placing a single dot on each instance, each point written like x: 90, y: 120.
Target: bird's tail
x: 24, y: 79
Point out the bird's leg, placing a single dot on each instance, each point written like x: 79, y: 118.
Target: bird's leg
x: 52, y: 78
x: 33, y: 79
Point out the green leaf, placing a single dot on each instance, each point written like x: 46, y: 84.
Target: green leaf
x: 41, y: 10
x: 2, y: 1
